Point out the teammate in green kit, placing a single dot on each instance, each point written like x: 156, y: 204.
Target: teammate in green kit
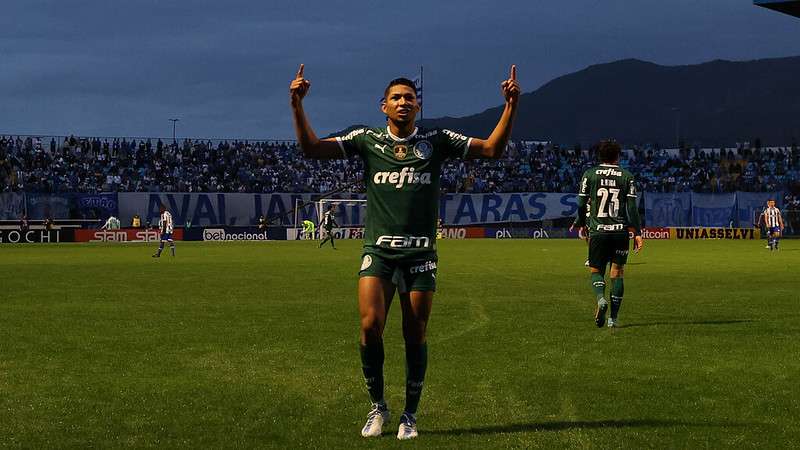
x: 402, y: 165
x: 607, y: 201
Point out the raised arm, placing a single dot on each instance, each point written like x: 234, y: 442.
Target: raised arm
x: 495, y: 144
x: 310, y: 144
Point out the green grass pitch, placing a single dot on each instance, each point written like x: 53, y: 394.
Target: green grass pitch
x: 255, y: 345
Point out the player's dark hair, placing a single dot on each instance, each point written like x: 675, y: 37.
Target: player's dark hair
x: 401, y: 82
x: 608, y: 151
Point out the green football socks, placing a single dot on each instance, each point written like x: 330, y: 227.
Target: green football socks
x: 598, y: 285
x: 372, y: 365
x: 617, y: 291
x: 416, y: 365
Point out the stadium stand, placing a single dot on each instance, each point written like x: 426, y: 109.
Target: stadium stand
x: 90, y: 165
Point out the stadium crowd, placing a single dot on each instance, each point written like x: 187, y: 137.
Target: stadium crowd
x: 51, y: 165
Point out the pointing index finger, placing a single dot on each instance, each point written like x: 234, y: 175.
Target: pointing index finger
x: 300, y: 71
x: 514, y: 72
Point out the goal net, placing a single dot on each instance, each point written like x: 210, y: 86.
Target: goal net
x: 349, y: 213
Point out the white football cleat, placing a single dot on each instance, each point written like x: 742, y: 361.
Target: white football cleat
x: 407, y: 428
x: 612, y: 323
x: 586, y: 263
x: 600, y: 312
x: 375, y: 420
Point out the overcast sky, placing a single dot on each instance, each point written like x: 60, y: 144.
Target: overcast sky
x: 123, y: 68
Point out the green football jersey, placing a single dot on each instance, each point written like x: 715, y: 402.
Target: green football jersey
x: 402, y: 180
x: 607, y: 188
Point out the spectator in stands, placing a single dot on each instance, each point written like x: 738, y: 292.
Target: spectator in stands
x: 75, y: 164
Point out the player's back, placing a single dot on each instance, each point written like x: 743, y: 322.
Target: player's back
x: 608, y: 188
x: 772, y: 217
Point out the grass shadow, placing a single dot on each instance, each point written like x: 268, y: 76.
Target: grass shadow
x: 580, y: 425
x: 690, y: 322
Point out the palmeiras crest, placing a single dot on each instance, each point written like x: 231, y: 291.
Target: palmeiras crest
x: 423, y: 149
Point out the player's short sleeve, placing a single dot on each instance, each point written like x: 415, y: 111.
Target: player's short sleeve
x: 453, y: 145
x: 583, y: 188
x: 352, y: 143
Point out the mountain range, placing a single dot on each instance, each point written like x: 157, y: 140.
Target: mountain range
x: 638, y: 102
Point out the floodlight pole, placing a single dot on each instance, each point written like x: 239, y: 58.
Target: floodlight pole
x: 174, y: 141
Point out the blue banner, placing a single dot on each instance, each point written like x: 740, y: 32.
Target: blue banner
x: 750, y: 204
x: 12, y: 206
x: 245, y: 209
x: 97, y: 206
x: 233, y: 209
x: 713, y: 210
x: 668, y: 210
x: 214, y: 209
x: 71, y: 206
x: 469, y: 209
x: 55, y: 206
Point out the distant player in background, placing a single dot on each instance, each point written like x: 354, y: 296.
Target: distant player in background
x: 440, y: 229
x: 328, y: 222
x: 111, y: 224
x: 308, y: 229
x: 610, y: 191
x: 773, y: 220
x: 24, y: 224
x: 165, y: 226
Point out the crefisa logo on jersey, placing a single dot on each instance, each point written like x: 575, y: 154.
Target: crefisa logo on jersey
x: 423, y: 149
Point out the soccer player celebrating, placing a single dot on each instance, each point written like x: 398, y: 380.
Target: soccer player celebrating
x: 773, y: 220
x: 165, y: 226
x: 328, y: 222
x: 402, y: 174
x: 609, y: 193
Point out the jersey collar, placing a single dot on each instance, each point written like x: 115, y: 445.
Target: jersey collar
x: 609, y: 165
x: 402, y: 139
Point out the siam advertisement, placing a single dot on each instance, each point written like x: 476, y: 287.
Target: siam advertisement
x: 37, y: 236
x: 124, y: 235
x: 715, y: 233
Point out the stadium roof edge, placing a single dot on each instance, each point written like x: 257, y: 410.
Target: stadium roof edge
x: 787, y: 7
